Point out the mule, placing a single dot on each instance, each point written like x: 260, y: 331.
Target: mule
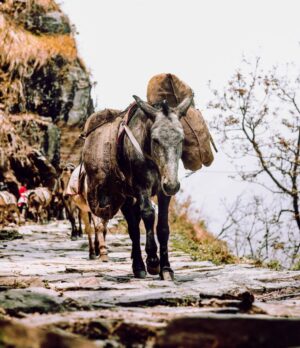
x: 9, y: 207
x: 39, y: 201
x: 71, y: 210
x: 75, y: 192
x: 149, y: 159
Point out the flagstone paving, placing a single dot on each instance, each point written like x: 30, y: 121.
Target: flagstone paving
x: 47, y: 281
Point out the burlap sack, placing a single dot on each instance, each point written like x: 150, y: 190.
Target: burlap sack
x: 105, y: 180
x: 196, y: 146
x: 167, y: 86
x: 99, y: 118
x: 44, y: 195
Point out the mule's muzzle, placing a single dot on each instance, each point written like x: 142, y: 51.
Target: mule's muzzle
x: 170, y: 189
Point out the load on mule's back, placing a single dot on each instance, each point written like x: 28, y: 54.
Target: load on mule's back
x: 8, y: 207
x: 39, y: 200
x: 130, y: 157
x: 100, y: 156
x: 197, y: 139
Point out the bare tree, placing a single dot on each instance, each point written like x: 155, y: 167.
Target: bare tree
x: 259, y: 121
x: 252, y: 229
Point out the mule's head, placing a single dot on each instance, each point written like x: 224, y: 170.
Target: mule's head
x: 65, y: 175
x: 166, y: 140
x: 32, y: 202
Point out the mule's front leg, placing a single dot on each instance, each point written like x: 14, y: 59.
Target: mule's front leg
x: 79, y: 223
x: 100, y: 233
x: 89, y: 232
x: 18, y: 219
x: 166, y: 272
x: 148, y: 216
x: 74, y: 232
x: 132, y: 215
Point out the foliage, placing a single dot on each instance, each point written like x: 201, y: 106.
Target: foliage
x: 193, y: 238
x: 259, y: 124
x: 296, y: 265
x: 274, y: 264
x: 121, y: 228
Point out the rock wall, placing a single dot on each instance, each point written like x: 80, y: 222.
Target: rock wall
x: 44, y: 90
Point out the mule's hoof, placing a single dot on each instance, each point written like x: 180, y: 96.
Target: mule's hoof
x: 167, y: 274
x: 153, y: 266
x: 104, y: 258
x: 74, y: 238
x: 153, y: 270
x: 93, y: 257
x: 140, y: 274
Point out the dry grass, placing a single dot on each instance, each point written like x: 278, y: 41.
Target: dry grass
x: 70, y: 145
x: 31, y: 128
x: 20, y: 49
x: 193, y: 238
x: 22, y: 52
x: 47, y: 5
x: 17, y: 6
x: 29, y: 118
x: 11, y: 145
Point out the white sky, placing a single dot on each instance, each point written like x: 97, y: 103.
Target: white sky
x: 125, y: 42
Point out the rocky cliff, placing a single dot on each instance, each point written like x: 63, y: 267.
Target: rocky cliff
x: 44, y: 91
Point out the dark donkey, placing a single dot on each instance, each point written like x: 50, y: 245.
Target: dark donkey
x: 150, y: 168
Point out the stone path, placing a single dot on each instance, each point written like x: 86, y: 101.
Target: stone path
x: 47, y: 281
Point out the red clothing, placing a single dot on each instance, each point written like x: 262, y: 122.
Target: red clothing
x: 22, y: 190
x: 23, y: 198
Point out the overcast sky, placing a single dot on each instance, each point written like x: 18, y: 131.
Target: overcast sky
x: 125, y: 42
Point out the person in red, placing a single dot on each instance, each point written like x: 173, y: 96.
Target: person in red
x: 22, y: 202
x: 22, y: 189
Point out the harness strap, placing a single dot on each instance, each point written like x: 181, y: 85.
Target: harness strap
x: 134, y: 141
x: 125, y: 129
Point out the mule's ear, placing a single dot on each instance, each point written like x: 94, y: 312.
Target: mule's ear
x: 183, y: 107
x: 147, y: 108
